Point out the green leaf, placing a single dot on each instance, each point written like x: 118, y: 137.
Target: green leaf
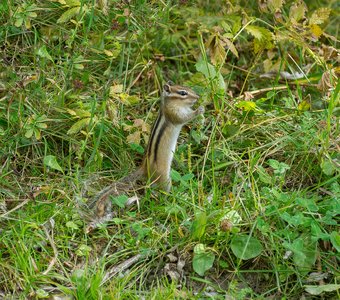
x: 175, y: 176
x: 279, y: 167
x: 203, y: 260
x: 304, y: 252
x: 83, y: 250
x: 209, y: 71
x: 18, y: 22
x: 198, y: 225
x: 79, y: 125
x: 72, y: 225
x: 308, y: 203
x: 120, y: 200
x: 319, y: 289
x: 187, y: 177
x: 69, y: 14
x: 51, y: 162
x: 29, y: 133
x: 263, y: 175
x: 42, y: 52
x: 335, y: 239
x: 327, y: 167
x: 246, y: 247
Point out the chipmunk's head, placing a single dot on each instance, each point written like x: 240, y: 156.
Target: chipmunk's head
x: 181, y: 95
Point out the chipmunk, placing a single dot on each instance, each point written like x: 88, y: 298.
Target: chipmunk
x: 175, y: 111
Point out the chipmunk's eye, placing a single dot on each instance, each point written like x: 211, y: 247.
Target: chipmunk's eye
x: 182, y: 93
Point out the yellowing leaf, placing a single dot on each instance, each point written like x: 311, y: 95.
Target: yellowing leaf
x: 133, y: 137
x: 67, y: 15
x: 108, y: 52
x: 116, y: 89
x: 71, y: 3
x: 231, y: 47
x: 127, y: 99
x: 76, y: 127
x: 246, y: 105
x: 263, y: 37
x: 274, y: 5
x: 304, y: 105
x: 297, y: 11
x: 216, y: 47
x: 320, y: 15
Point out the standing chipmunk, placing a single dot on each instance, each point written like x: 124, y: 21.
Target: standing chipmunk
x: 175, y: 111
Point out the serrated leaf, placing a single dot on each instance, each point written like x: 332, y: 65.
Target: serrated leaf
x: 51, y: 162
x: 297, y: 11
x: 246, y: 247
x: 231, y: 47
x: 79, y: 125
x: 275, y: 5
x: 320, y: 15
x: 263, y: 37
x: 216, y: 47
x: 69, y: 14
x: 42, y: 52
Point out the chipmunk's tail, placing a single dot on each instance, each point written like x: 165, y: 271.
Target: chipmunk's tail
x: 99, y: 208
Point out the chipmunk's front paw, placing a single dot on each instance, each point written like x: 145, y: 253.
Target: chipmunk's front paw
x: 200, y: 110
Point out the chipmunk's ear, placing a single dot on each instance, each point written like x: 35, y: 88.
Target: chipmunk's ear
x: 167, y: 86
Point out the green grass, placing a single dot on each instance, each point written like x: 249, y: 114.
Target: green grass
x: 254, y: 208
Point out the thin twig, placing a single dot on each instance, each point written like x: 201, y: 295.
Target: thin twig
x: 55, y: 251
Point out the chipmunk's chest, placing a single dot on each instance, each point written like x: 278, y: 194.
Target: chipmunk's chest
x: 162, y: 143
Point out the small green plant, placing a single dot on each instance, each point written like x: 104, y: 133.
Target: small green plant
x: 35, y: 125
